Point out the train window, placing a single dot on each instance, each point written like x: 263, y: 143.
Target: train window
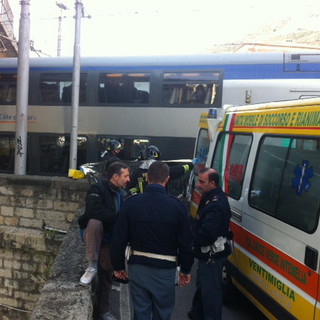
x: 56, y: 88
x: 286, y: 181
x: 190, y: 88
x: 8, y: 88
x: 124, y: 88
x: 236, y: 157
x: 55, y: 150
x: 7, y: 151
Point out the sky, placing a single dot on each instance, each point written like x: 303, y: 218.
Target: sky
x: 147, y: 27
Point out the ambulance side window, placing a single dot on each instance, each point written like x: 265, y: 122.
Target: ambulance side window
x: 286, y: 181
x: 231, y: 156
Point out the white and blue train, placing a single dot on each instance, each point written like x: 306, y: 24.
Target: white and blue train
x: 140, y: 100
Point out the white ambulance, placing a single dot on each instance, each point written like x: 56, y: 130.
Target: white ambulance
x: 268, y: 158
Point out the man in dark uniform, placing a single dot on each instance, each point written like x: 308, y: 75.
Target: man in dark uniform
x: 210, y: 246
x: 113, y: 150
x: 157, y: 227
x: 103, y: 202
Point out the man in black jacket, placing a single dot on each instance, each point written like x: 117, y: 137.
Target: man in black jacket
x: 103, y: 202
x: 210, y: 246
x: 157, y: 227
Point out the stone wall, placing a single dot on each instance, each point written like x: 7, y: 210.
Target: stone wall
x: 62, y: 297
x: 35, y: 214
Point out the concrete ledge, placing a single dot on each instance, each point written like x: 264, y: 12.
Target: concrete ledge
x: 62, y: 297
x: 63, y: 300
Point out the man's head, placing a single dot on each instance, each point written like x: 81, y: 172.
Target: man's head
x: 114, y: 146
x: 208, y: 180
x: 158, y: 173
x: 152, y: 152
x: 118, y: 174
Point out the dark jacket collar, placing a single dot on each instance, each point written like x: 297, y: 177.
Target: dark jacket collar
x: 211, y: 194
x: 155, y: 188
x: 111, y: 186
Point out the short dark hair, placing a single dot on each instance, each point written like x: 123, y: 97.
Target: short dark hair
x: 115, y: 168
x: 212, y: 176
x: 158, y: 172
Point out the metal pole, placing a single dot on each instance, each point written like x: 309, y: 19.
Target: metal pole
x: 59, y: 37
x: 75, y: 88
x: 62, y: 7
x: 20, y: 160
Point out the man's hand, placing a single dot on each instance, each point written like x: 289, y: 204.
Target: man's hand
x: 121, y: 276
x: 184, y: 279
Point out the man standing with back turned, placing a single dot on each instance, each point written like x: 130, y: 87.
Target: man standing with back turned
x: 157, y: 227
x: 210, y: 246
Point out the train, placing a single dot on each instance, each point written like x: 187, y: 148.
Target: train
x: 140, y: 100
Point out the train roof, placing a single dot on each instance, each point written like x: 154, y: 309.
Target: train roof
x: 172, y: 60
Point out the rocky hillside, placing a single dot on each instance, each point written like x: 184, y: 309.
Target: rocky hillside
x: 286, y: 34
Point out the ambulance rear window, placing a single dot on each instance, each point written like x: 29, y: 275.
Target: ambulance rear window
x: 235, y: 155
x: 286, y: 180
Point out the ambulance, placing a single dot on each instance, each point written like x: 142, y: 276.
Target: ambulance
x: 268, y: 158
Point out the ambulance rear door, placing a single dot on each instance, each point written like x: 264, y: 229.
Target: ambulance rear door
x: 278, y: 250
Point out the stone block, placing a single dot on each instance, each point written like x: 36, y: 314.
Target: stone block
x: 26, y: 266
x: 5, y: 200
x: 7, y: 253
x: 45, y: 204
x: 23, y: 238
x: 30, y: 223
x: 7, y: 211
x: 11, y: 302
x: 66, y: 206
x: 26, y: 296
x: 17, y: 201
x: 7, y: 190
x: 24, y: 212
x: 12, y: 264
x: 31, y: 202
x: 11, y: 221
x: 5, y: 291
x: 5, y: 273
x: 51, y: 214
x: 26, y: 192
x: 10, y: 283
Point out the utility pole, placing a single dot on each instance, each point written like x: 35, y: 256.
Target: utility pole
x: 20, y: 160
x: 62, y: 7
x: 75, y: 88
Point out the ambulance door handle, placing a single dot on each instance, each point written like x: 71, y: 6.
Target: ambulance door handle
x: 236, y: 215
x: 311, y: 258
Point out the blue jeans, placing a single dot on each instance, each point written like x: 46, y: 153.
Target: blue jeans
x: 152, y: 292
x: 207, y: 301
